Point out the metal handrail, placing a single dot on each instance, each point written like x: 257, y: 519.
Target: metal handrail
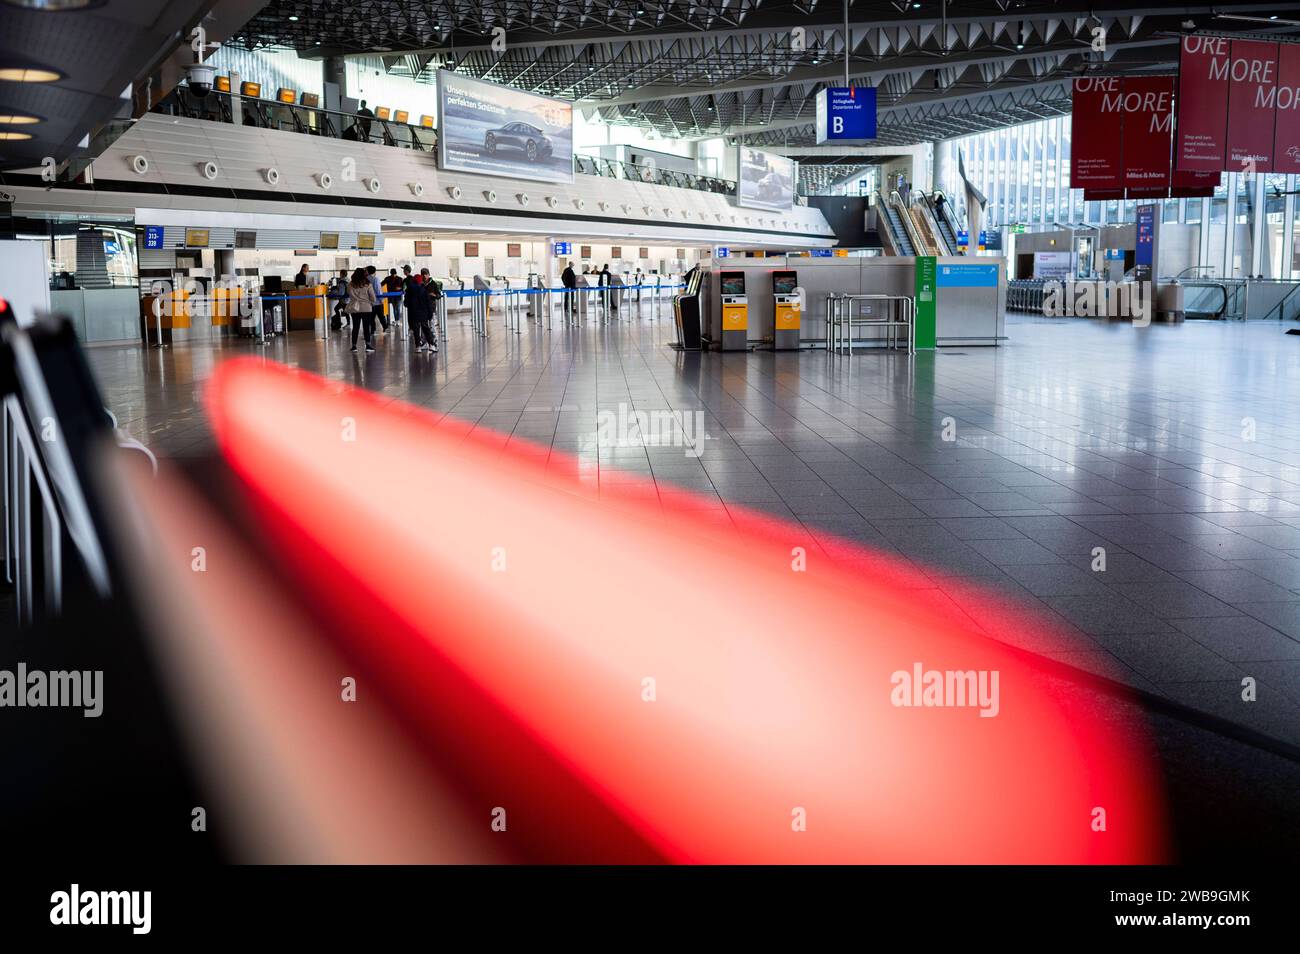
x: 896, y: 200
x: 840, y: 321
x: 1278, y: 307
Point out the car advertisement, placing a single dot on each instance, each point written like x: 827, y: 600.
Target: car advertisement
x: 499, y: 131
x: 766, y: 180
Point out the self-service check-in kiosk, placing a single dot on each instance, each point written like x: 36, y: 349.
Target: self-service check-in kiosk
x: 787, y: 310
x: 735, y: 311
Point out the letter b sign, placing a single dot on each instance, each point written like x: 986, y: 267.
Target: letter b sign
x: 837, y: 124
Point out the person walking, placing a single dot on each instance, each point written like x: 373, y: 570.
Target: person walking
x: 361, y: 307
x: 379, y: 314
x: 363, y: 125
x: 339, y: 292
x: 394, y: 285
x: 419, y: 312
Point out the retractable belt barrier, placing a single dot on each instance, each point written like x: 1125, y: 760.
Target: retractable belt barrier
x: 573, y: 303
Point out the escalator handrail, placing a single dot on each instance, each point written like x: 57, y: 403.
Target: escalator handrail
x: 891, y: 240
x: 909, y: 226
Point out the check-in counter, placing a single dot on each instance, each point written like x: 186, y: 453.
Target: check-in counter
x: 307, y: 305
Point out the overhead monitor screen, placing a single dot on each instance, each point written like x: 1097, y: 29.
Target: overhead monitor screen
x: 496, y: 130
x: 784, y: 283
x: 766, y: 180
x: 733, y: 283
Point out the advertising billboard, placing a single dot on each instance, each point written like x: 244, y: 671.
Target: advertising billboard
x: 1202, y: 104
x: 1148, y: 123
x: 1252, y: 95
x: 1286, y: 134
x: 766, y: 180
x: 499, y: 131
x: 1097, y: 136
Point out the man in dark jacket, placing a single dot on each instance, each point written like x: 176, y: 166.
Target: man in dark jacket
x: 569, y: 279
x: 419, y: 312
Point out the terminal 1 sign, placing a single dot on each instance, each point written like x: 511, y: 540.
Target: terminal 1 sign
x: 845, y: 114
x: 1238, y: 105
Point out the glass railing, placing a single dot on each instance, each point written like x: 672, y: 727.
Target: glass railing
x: 314, y: 121
x: 1205, y: 298
x: 1288, y: 309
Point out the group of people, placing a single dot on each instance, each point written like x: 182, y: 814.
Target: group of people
x: 360, y: 299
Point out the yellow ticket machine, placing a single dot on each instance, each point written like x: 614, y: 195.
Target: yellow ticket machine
x: 735, y: 311
x: 787, y: 310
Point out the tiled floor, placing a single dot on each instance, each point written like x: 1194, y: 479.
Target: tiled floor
x: 1173, y: 449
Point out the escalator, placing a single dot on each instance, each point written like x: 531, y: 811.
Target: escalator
x: 924, y: 235
x: 945, y: 225
x: 896, y: 231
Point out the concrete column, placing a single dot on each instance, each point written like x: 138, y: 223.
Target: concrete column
x: 335, y: 75
x: 943, y: 163
x: 1288, y: 228
x: 1258, y: 237
x: 1230, y: 227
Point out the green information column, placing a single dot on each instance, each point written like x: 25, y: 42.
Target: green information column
x: 927, y: 273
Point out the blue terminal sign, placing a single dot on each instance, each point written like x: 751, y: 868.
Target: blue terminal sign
x: 563, y: 248
x: 846, y: 114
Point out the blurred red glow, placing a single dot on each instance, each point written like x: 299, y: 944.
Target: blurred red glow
x: 772, y: 686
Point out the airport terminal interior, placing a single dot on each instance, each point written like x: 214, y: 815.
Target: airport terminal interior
x: 985, y: 314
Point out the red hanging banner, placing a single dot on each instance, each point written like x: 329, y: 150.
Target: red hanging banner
x: 1096, y: 131
x: 1286, y: 135
x: 1252, y: 98
x: 1200, y: 145
x: 1148, y: 111
x: 1193, y: 185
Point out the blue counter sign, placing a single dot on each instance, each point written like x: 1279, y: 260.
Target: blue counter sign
x: 846, y: 113
x: 563, y: 248
x: 153, y: 236
x: 722, y: 252
x: 963, y: 238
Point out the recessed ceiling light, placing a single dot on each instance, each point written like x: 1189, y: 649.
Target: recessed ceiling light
x: 54, y: 6
x: 14, y: 136
x: 23, y: 74
x: 18, y: 119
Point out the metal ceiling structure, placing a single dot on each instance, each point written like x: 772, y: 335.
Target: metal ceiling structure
x: 95, y: 52
x: 751, y: 69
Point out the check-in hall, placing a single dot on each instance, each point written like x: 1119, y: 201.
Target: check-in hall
x: 644, y: 440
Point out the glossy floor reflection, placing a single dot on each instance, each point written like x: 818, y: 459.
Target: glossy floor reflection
x: 1175, y: 449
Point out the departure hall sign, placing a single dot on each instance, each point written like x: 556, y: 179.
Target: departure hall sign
x: 846, y: 114
x: 1238, y: 105
x: 1122, y: 141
